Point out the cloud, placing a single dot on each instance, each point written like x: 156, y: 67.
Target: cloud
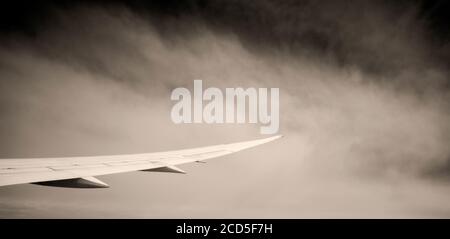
x: 361, y: 100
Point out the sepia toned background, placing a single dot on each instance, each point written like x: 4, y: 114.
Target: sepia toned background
x: 364, y: 106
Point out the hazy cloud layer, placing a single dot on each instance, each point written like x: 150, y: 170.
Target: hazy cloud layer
x: 364, y: 109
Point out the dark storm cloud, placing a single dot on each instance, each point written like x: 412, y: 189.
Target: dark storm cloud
x: 377, y: 36
x: 364, y: 103
x: 374, y: 35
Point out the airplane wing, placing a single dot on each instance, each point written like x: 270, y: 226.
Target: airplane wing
x: 79, y: 172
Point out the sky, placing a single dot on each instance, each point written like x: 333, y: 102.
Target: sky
x: 364, y: 106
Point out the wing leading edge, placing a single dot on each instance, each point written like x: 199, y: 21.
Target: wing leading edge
x: 79, y: 171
